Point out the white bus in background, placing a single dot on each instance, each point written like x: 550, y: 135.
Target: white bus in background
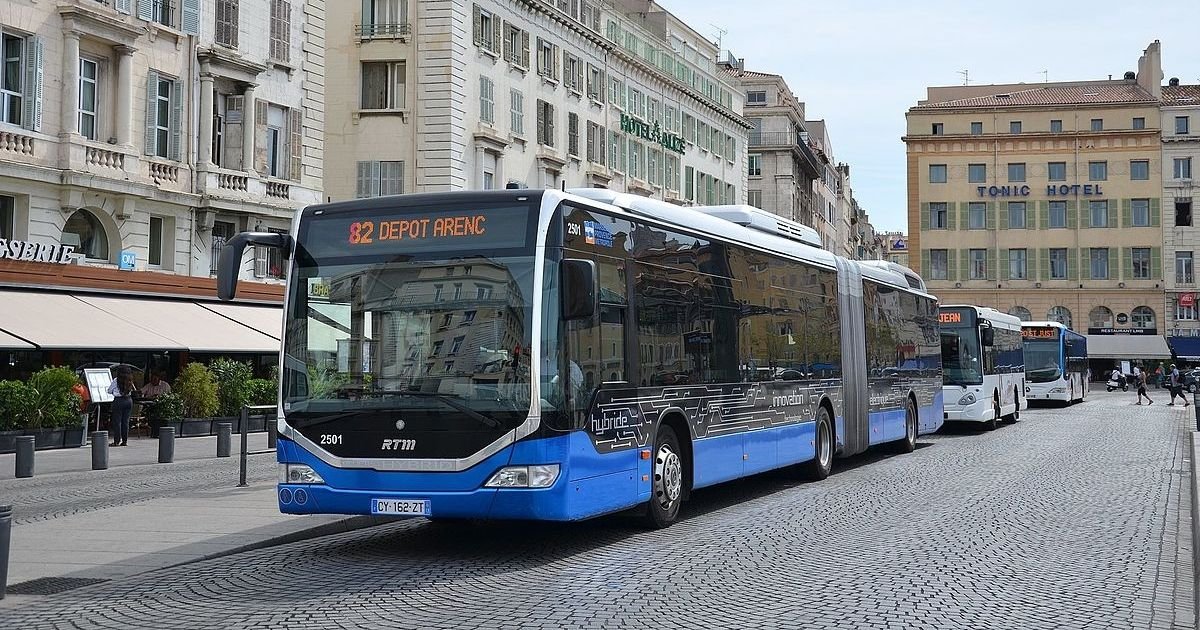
x: 1055, y: 362
x: 983, y: 365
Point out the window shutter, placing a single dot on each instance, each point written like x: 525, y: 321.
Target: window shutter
x: 1155, y: 213
x: 260, y: 136
x: 951, y: 264
x: 362, y: 187
x: 1156, y: 263
x: 124, y: 6
x: 1004, y: 270
x: 525, y: 49
x: 573, y: 133
x: 478, y: 17
x: 1043, y: 214
x: 497, y: 34
x: 260, y: 262
x: 1003, y: 220
x: 145, y: 9
x: 926, y: 264
x: 964, y: 209
x: 555, y: 55
x: 1126, y: 262
x: 541, y: 123
x: 176, y: 122
x: 989, y: 215
x: 151, y: 111
x: 925, y: 216
x: 1111, y: 208
x: 579, y: 78
x: 1044, y: 263
x: 951, y: 216
x: 990, y: 265
x: 189, y: 17
x: 368, y: 16
x: 1072, y: 215
x: 32, y: 116
x: 1126, y: 214
x: 296, y: 142
x: 1073, y: 264
x: 549, y: 125
x: 1085, y: 263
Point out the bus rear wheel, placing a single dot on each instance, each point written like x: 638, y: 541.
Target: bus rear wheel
x: 666, y: 491
x: 821, y: 464
x: 909, y: 443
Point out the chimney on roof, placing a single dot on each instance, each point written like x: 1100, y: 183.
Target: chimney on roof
x: 1149, y: 74
x: 1174, y: 82
x: 1130, y: 76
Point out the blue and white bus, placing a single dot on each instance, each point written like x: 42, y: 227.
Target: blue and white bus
x: 983, y: 363
x: 539, y: 354
x: 1056, y: 362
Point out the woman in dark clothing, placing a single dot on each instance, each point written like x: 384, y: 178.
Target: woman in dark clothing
x: 122, y: 391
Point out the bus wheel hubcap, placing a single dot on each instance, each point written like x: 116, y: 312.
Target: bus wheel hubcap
x: 668, y: 473
x: 823, y: 444
x: 912, y: 427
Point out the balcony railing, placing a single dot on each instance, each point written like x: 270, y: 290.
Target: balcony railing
x: 382, y: 31
x: 96, y: 156
x: 796, y: 140
x: 19, y: 144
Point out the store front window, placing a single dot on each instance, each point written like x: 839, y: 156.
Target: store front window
x: 84, y: 231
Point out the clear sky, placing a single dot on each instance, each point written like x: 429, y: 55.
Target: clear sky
x: 861, y: 64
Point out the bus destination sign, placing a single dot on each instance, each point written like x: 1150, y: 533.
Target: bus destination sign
x: 950, y: 317
x: 417, y: 231
x: 1039, y: 332
x: 418, y: 228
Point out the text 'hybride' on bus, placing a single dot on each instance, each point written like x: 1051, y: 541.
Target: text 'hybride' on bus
x: 561, y: 355
x: 983, y: 365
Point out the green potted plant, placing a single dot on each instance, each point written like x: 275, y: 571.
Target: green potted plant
x: 55, y: 407
x: 233, y: 389
x: 197, y: 389
x: 17, y: 399
x: 167, y: 410
x: 260, y: 391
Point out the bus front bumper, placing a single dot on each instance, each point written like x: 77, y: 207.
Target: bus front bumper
x: 978, y: 411
x: 1058, y: 392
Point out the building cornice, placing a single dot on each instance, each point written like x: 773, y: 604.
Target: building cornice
x: 98, y: 22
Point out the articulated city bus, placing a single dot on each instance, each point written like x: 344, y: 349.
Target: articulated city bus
x: 983, y: 365
x: 1056, y: 362
x: 554, y: 355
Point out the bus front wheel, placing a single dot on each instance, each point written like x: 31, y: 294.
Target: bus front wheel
x: 821, y: 464
x: 666, y: 493
x: 909, y: 443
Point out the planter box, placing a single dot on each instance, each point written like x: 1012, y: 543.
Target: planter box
x: 8, y: 440
x: 193, y: 427
x: 256, y: 424
x: 47, y: 438
x: 234, y: 421
x: 174, y: 424
x: 74, y: 437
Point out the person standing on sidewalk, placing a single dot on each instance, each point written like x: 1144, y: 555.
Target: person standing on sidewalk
x: 1176, y: 384
x: 1142, y: 377
x: 122, y: 390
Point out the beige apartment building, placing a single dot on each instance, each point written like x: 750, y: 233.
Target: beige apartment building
x: 1045, y: 201
x: 1181, y: 233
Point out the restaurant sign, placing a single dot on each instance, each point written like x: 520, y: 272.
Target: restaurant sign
x: 1122, y: 331
x: 654, y: 133
x: 36, y: 252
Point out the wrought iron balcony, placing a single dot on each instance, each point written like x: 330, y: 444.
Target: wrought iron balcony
x: 795, y: 140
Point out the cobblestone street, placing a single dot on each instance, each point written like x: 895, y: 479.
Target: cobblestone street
x: 1072, y: 518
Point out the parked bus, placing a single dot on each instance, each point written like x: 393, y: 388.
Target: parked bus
x: 983, y: 365
x: 553, y: 355
x: 1056, y: 362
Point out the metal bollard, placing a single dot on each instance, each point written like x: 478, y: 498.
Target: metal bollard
x: 24, y: 456
x: 224, y: 438
x: 272, y: 433
x: 166, y: 445
x: 99, y: 450
x: 5, y: 533
x: 242, y: 463
x: 1195, y: 407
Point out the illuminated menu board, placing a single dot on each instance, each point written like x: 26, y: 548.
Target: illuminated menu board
x: 416, y: 231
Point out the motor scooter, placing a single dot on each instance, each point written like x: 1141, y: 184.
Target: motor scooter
x: 1122, y: 383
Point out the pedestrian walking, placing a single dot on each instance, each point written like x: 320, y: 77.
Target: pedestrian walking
x: 1142, y: 377
x: 1176, y: 385
x: 122, y: 391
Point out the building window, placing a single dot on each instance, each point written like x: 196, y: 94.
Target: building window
x: 1099, y: 213
x: 516, y: 108
x: 487, y: 100
x: 89, y: 85
x: 1139, y: 123
x: 281, y: 30
x: 1185, y: 313
x: 547, y: 59
x: 1058, y: 263
x: 1183, y: 168
x: 1014, y: 126
x: 1097, y: 124
x: 163, y: 113
x: 379, y: 178
x: 456, y: 345
x: 977, y: 129
x: 12, y: 78
x: 1141, y: 263
x: 938, y: 216
x: 154, y: 257
x: 976, y: 173
x: 1140, y: 211
x: 1021, y: 313
x: 1017, y: 265
x: 1056, y: 171
x: 1060, y: 314
x: 1181, y: 125
x: 1058, y: 214
x: 978, y: 264
x: 545, y: 123
x: 1016, y: 215
x: 1183, y: 213
x: 1056, y: 126
x: 938, y: 268
x: 1100, y: 317
x: 937, y: 173
x: 754, y: 164
x: 1097, y: 171
x: 572, y: 133
x: 573, y: 73
x: 483, y: 292
x: 1099, y: 263
x: 7, y: 216
x: 595, y: 85
x: 227, y: 23
x: 1143, y: 317
x: 384, y: 18
x: 160, y: 11
x: 939, y: 129
x: 756, y: 97
x: 1184, y: 271
x: 85, y: 232
x: 383, y: 85
x: 595, y: 143
x: 1016, y: 171
x: 976, y: 215
x: 1139, y: 170
x: 754, y: 198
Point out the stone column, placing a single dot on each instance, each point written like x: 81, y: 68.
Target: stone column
x: 124, y: 114
x: 70, y: 84
x: 205, y: 143
x: 248, y: 124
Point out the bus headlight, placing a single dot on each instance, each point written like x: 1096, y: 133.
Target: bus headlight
x: 968, y: 399
x: 542, y: 476
x: 298, y: 473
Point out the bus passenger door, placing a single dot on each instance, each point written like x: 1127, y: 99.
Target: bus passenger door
x: 855, y: 434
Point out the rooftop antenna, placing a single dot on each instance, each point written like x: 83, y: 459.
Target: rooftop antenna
x: 720, y: 35
x: 966, y: 75
x: 1045, y: 76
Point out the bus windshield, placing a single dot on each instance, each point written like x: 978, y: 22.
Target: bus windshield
x: 418, y: 315
x: 1043, y: 360
x: 961, y: 360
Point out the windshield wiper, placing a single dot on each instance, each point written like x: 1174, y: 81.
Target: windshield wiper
x: 447, y: 399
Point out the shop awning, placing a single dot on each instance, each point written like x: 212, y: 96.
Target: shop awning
x: 9, y: 342
x: 188, y: 324
x: 1127, y: 347
x: 1187, y: 348
x: 58, y: 320
x: 267, y: 320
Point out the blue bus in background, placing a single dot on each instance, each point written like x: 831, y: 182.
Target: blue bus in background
x: 1056, y: 362
x: 542, y: 354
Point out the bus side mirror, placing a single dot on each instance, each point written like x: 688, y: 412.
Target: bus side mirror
x: 988, y: 336
x: 578, y: 289
x: 231, y: 257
